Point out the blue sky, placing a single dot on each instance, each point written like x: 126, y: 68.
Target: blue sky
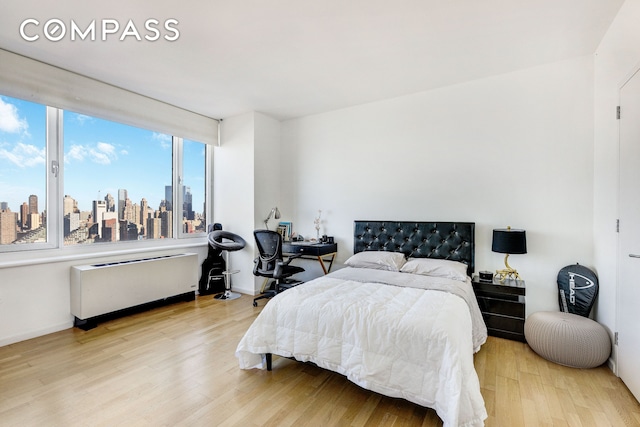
x: 100, y: 157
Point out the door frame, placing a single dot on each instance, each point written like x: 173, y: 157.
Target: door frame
x: 614, y: 356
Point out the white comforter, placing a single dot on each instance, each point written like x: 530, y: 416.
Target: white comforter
x: 401, y: 341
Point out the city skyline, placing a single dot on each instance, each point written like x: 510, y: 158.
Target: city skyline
x: 107, y: 221
x: 100, y: 157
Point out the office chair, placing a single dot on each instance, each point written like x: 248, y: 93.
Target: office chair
x: 272, y: 265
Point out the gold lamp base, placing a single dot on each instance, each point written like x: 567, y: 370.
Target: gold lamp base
x: 508, y: 272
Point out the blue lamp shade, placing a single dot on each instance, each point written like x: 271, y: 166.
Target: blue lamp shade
x: 509, y: 241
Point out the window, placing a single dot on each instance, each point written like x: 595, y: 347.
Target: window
x: 23, y: 166
x: 193, y: 187
x: 114, y: 183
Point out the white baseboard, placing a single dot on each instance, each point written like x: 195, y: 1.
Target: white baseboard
x: 35, y: 334
x: 242, y: 290
x: 612, y: 365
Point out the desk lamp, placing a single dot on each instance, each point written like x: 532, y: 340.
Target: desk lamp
x: 274, y: 213
x: 509, y: 241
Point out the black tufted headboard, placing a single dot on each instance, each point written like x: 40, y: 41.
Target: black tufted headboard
x: 442, y: 240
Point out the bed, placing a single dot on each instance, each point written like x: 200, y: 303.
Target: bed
x: 400, y: 319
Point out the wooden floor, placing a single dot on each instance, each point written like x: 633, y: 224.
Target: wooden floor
x: 175, y: 366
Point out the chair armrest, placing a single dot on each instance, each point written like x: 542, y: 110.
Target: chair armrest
x: 283, y: 263
x: 291, y: 258
x: 256, y: 262
x: 277, y: 270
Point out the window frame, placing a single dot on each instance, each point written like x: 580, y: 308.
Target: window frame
x: 54, y: 247
x: 52, y: 155
x: 55, y: 177
x: 178, y: 196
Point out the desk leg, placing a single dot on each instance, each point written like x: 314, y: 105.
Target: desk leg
x: 264, y: 285
x: 333, y: 256
x: 321, y: 261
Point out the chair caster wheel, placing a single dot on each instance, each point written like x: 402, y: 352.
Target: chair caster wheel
x: 255, y: 303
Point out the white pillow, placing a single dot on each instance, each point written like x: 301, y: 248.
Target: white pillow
x: 379, y: 260
x: 436, y: 267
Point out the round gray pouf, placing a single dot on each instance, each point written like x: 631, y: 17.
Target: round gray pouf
x: 567, y: 339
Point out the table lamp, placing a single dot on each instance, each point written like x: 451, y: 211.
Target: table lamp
x: 274, y: 213
x: 509, y: 241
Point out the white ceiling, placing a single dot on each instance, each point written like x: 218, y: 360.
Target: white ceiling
x: 291, y: 58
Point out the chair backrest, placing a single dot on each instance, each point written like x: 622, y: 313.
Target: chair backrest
x: 270, y: 248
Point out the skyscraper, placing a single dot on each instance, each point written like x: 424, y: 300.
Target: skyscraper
x: 111, y: 202
x: 33, y: 221
x: 69, y: 205
x: 144, y: 215
x: 99, y: 208
x: 8, y: 221
x: 187, y: 204
x: 168, y: 197
x: 130, y: 213
x: 154, y: 228
x: 33, y: 204
x: 122, y: 198
x: 71, y: 223
x: 166, y: 226
x: 115, y: 224
x: 109, y: 230
x: 24, y: 216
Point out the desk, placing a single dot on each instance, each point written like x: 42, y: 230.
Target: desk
x: 317, y: 251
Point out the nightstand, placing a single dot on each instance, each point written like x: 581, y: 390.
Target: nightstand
x: 503, y: 306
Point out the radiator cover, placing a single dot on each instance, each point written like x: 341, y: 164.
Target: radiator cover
x: 103, y: 288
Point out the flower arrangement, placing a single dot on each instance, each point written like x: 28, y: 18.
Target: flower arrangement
x: 317, y: 224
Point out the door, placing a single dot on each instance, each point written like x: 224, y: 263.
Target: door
x: 629, y: 237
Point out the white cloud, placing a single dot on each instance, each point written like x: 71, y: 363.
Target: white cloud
x: 81, y: 118
x: 76, y: 152
x: 24, y: 155
x: 107, y: 149
x: 161, y: 137
x: 102, y: 153
x: 164, y: 139
x: 10, y: 120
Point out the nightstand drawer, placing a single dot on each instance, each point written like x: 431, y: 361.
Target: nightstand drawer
x: 504, y: 323
x: 502, y: 306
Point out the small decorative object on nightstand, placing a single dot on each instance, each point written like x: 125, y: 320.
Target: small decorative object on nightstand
x: 509, y: 241
x: 486, y: 276
x: 502, y: 303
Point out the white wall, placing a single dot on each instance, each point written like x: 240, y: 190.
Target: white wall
x: 514, y: 149
x: 617, y: 56
x: 268, y: 171
x: 247, y: 170
x: 234, y: 194
x: 36, y: 300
